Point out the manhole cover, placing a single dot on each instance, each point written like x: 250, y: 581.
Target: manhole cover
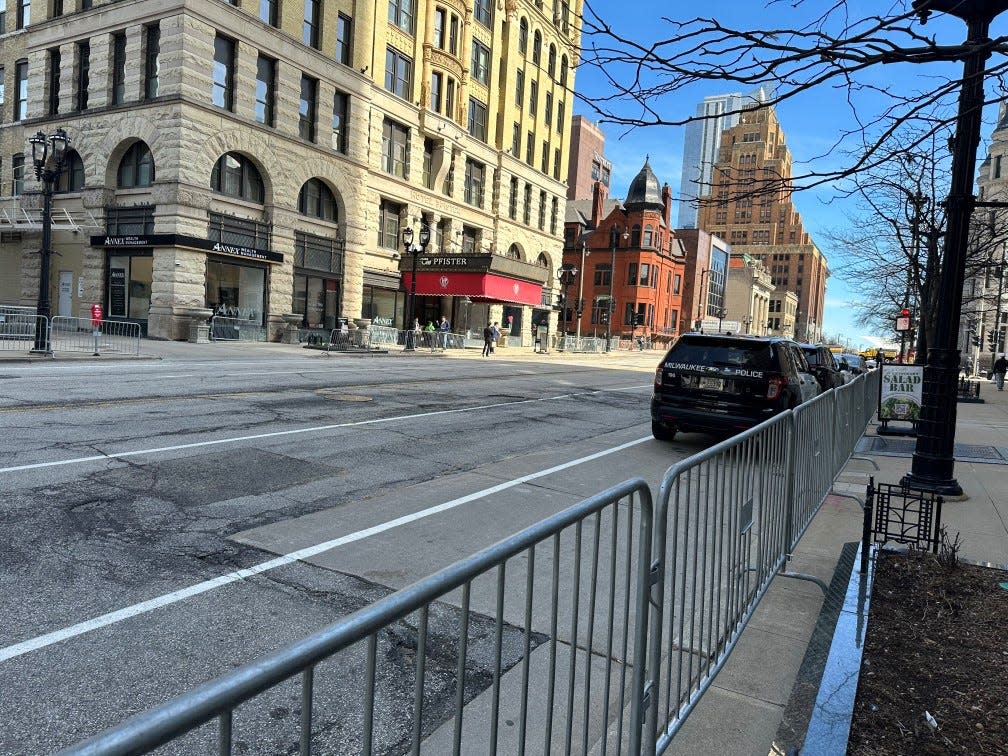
x: 338, y: 397
x: 904, y: 447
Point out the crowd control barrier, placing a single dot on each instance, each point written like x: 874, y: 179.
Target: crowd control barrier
x: 82, y: 335
x: 626, y: 615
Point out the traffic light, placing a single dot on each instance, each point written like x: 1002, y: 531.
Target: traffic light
x: 639, y: 319
x: 603, y: 317
x: 904, y: 313
x: 991, y: 340
x: 976, y: 341
x: 561, y: 299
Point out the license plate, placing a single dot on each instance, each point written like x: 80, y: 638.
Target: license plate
x: 712, y: 384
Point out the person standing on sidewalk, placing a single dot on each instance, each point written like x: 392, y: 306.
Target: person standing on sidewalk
x: 487, y: 340
x: 1000, y: 366
x: 445, y: 329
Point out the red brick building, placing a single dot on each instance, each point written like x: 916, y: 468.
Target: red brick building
x: 626, y: 251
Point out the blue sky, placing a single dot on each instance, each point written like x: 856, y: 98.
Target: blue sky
x: 811, y: 121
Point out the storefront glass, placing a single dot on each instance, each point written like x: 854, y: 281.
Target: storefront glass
x: 316, y: 299
x: 236, y: 291
x: 382, y: 306
x: 129, y: 286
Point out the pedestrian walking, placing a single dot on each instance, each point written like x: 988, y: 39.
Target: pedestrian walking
x: 1000, y: 366
x: 495, y: 332
x: 488, y: 340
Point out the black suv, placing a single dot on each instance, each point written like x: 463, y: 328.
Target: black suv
x: 823, y: 366
x: 723, y: 384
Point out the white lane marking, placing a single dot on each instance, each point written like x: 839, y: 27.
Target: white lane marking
x: 143, y: 607
x: 277, y: 434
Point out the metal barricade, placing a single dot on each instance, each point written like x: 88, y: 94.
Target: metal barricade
x: 585, y: 344
x: 18, y: 330
x: 384, y: 335
x: 236, y: 329
x: 79, y: 335
x: 339, y: 340
x: 563, y: 636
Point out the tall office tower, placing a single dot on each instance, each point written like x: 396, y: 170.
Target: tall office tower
x: 750, y: 205
x: 263, y: 159
x: 700, y: 147
x: 587, y: 162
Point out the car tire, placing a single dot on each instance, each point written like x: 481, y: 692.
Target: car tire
x: 662, y: 432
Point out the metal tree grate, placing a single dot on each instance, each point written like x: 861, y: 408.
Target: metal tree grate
x: 898, y: 514
x: 904, y: 447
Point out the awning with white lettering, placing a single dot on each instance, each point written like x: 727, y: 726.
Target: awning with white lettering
x: 488, y: 287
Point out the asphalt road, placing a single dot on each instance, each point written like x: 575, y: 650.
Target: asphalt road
x: 126, y: 484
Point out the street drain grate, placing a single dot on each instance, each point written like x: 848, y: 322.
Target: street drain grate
x: 904, y: 447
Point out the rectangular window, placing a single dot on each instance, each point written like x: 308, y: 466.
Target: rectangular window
x: 54, y: 81
x: 678, y: 284
x: 645, y: 274
x: 340, y: 114
x: 312, y: 13
x: 3, y: 19
x: 449, y: 98
x: 560, y: 116
x: 152, y: 66
x: 428, y: 162
x: 453, y: 34
x: 477, y: 119
x: 395, y: 148
x: 23, y: 13
x: 307, y: 108
x: 549, y: 109
x: 17, y: 169
x: 222, y: 90
x: 344, y: 39
x: 388, y: 224
x: 556, y: 163
x: 118, y: 68
x: 520, y: 88
x: 553, y: 215
x: 20, y: 90
x: 542, y: 210
x: 533, y: 97
x: 400, y: 13
x: 265, y: 93
x: 527, y: 205
x: 57, y: 8
x: 513, y: 199
x: 398, y: 73
x: 435, y: 91
x: 483, y: 13
x: 1, y: 87
x: 516, y: 139
x: 83, y: 74
x: 474, y: 177
x: 545, y: 157
x: 529, y: 147
x: 268, y: 11
x: 469, y: 240
x: 632, y: 274
x: 439, y: 28
x: 480, y: 62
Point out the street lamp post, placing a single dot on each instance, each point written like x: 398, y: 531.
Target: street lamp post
x: 415, y: 250
x: 700, y: 299
x: 746, y: 321
x: 566, y: 275
x: 720, y: 319
x: 613, y: 239
x: 579, y: 306
x: 48, y: 156
x: 933, y: 461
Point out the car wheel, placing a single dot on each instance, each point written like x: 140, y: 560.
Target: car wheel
x: 662, y: 432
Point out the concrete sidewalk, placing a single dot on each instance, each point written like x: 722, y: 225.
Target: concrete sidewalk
x: 761, y: 700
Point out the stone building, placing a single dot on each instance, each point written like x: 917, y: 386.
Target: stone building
x: 751, y: 206
x: 783, y: 314
x: 748, y: 293
x: 262, y: 157
x: 628, y: 261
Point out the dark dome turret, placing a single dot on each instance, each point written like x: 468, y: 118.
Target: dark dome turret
x: 645, y: 191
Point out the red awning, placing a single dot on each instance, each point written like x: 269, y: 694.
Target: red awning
x: 490, y: 287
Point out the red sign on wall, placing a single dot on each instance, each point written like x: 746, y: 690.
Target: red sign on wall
x: 96, y: 316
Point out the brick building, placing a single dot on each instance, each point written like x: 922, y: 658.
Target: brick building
x: 587, y: 162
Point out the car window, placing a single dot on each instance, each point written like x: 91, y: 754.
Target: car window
x: 799, y: 358
x: 756, y: 355
x: 811, y: 356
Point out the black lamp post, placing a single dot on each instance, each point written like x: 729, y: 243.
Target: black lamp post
x: 416, y: 250
x: 700, y: 300
x: 933, y: 461
x: 566, y: 275
x: 721, y: 313
x: 613, y: 240
x: 48, y: 155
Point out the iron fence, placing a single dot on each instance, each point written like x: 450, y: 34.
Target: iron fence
x: 564, y: 638
x: 236, y: 329
x: 585, y: 344
x: 80, y: 335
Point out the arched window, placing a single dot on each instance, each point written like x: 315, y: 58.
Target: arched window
x: 543, y: 261
x: 563, y: 71
x: 635, y: 236
x: 523, y: 36
x: 551, y: 60
x: 536, y: 47
x: 236, y: 176
x: 72, y: 177
x: 136, y: 167
x: 648, y: 233
x: 514, y: 252
x: 317, y: 200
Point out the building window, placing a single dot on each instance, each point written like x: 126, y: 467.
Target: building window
x: 533, y: 97
x: 72, y: 177
x: 529, y: 147
x: 395, y: 148
x: 400, y: 13
x: 603, y: 274
x: 549, y: 109
x: 551, y: 60
x: 83, y: 73
x: 632, y: 274
x: 635, y: 236
x: 527, y: 205
x: 475, y: 174
x: 440, y: 15
x: 428, y: 163
x: 523, y: 36
x: 316, y: 200
x: 265, y: 92
x: 245, y: 232
x: 542, y: 210
x: 560, y: 118
x: 268, y: 11
x: 136, y: 220
x: 480, y: 62
x: 118, y: 68
x: 545, y: 157
x: 453, y: 33
x: 236, y: 176
x: 536, y: 47
x: 449, y: 100
x: 222, y: 90
x: 435, y: 91
x: 3, y: 19
x: 21, y: 90
x: 344, y: 39
x: 553, y: 215
x: 648, y: 233
x: 54, y: 81
x: 1, y: 88
x: 17, y: 174
x: 152, y: 57
x: 23, y: 13
x: 520, y: 88
x: 678, y: 284
x: 469, y: 240
x: 388, y: 224
x: 516, y: 139
x: 312, y: 12
x: 136, y: 169
x: 483, y: 13
x: 340, y: 114
x: 307, y: 108
x: 513, y: 199
x: 477, y: 119
x: 556, y: 163
x: 645, y: 274
x: 398, y: 73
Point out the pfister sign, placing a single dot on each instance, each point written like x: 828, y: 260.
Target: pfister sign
x: 900, y: 395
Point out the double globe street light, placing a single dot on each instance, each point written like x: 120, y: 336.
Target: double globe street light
x: 49, y: 154
x: 567, y: 273
x: 415, y: 250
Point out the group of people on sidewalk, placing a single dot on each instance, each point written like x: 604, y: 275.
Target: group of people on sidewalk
x: 490, y: 336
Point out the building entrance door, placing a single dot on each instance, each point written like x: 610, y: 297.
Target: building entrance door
x: 65, y: 306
